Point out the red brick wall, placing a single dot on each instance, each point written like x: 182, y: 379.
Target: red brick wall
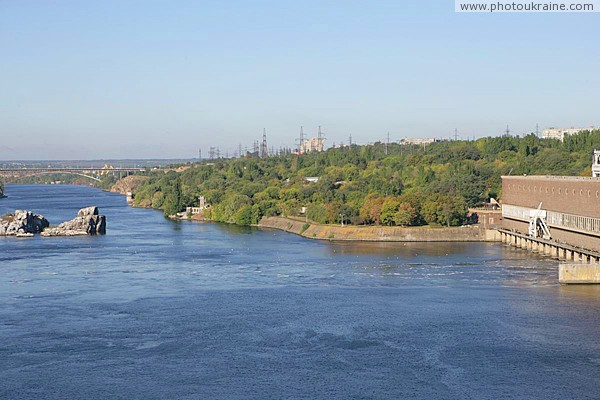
x: 571, y: 196
x: 579, y: 197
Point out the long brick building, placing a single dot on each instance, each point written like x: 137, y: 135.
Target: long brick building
x: 570, y: 207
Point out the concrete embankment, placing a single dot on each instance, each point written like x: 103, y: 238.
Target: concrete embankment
x: 570, y: 273
x: 471, y: 233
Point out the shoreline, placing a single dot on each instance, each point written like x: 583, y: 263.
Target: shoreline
x: 421, y: 234
x: 337, y: 233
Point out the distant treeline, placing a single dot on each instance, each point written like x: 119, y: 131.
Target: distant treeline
x: 367, y: 184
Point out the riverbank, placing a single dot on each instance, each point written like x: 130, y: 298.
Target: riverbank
x: 468, y: 233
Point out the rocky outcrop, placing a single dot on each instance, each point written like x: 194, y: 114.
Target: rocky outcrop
x: 128, y: 184
x: 22, y: 224
x: 87, y: 222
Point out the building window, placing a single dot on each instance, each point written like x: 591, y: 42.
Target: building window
x: 559, y: 191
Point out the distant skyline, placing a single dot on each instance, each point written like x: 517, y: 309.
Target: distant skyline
x: 157, y: 79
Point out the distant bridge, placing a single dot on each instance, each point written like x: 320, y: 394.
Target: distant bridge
x: 87, y: 172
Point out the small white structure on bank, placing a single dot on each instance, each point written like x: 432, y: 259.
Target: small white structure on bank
x: 596, y: 164
x: 203, y: 205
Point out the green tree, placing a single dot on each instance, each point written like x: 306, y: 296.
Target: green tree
x: 406, y: 215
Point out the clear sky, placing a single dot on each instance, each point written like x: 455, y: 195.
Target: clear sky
x: 138, y: 79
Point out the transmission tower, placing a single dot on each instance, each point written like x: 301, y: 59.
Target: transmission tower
x: 200, y: 155
x: 301, y: 141
x: 263, y: 145
x: 218, y: 152
x: 387, y: 143
x: 537, y: 130
x: 455, y: 134
x: 507, y: 131
x: 350, y: 141
x: 320, y: 140
x: 211, y: 153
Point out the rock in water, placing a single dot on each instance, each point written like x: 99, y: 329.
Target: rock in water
x: 22, y: 224
x: 87, y: 222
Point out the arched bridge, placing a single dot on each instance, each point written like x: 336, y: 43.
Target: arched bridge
x: 87, y: 172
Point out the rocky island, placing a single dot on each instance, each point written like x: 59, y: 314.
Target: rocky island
x: 22, y: 224
x: 27, y: 224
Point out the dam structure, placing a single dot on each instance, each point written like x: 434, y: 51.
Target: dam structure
x: 558, y: 216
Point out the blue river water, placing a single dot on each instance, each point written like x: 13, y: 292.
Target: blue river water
x: 158, y: 309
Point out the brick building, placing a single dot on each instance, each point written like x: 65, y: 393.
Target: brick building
x: 570, y: 205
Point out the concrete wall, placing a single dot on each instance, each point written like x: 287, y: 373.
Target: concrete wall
x: 381, y: 233
x: 579, y: 273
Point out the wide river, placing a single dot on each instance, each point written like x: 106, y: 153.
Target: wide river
x: 158, y: 309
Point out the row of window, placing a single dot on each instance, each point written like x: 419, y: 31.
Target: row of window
x: 552, y: 190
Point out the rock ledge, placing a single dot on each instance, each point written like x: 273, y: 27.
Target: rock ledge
x: 87, y: 222
x: 22, y: 224
x: 26, y: 224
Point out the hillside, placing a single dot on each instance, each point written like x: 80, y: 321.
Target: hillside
x: 367, y: 185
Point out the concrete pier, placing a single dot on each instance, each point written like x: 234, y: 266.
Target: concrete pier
x: 580, y: 265
x: 569, y: 273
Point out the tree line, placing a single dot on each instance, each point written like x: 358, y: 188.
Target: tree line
x: 378, y: 184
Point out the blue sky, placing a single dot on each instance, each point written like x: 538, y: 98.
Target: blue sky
x: 137, y: 79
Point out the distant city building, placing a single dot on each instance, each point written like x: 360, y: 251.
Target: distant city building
x: 419, y: 141
x: 596, y: 164
x: 313, y: 144
x: 560, y: 133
